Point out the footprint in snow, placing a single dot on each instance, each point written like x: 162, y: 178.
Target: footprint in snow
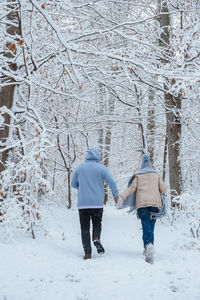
x: 173, y: 288
x: 168, y: 273
x: 71, y: 278
x: 82, y: 297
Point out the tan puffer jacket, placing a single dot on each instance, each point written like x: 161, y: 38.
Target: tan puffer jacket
x: 148, y: 188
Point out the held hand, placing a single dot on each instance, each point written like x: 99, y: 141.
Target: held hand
x: 116, y: 200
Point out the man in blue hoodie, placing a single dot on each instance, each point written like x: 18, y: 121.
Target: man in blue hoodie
x: 89, y: 180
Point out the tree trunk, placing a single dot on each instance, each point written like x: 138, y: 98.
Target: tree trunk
x: 7, y: 91
x: 101, y: 131
x: 104, y: 140
x: 141, y: 124
x: 69, y: 198
x: 151, y: 125
x: 110, y: 110
x: 165, y: 159
x: 173, y: 107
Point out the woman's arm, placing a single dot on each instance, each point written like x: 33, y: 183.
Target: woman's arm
x: 132, y: 188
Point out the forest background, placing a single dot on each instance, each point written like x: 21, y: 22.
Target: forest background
x: 122, y: 76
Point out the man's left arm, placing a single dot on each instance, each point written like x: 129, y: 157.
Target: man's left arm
x: 112, y: 184
x: 74, y: 182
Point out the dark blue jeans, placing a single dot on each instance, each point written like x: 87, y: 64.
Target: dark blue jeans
x: 147, y: 224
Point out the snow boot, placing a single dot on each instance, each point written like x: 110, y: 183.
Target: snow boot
x: 144, y: 252
x: 87, y: 256
x: 100, y: 248
x: 149, y: 253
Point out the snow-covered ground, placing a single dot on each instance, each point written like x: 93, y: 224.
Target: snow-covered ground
x: 52, y: 268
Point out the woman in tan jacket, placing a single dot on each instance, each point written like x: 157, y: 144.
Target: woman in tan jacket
x: 148, y: 186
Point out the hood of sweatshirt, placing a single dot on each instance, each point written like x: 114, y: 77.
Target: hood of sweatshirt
x: 93, y: 155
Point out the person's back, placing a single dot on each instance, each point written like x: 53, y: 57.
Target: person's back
x: 89, y: 179
x: 149, y: 187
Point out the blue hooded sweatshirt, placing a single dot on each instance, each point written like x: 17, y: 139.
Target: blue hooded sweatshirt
x: 89, y: 179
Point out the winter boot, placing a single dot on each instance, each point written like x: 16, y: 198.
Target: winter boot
x: 144, y: 252
x: 87, y: 256
x: 100, y: 248
x: 149, y: 253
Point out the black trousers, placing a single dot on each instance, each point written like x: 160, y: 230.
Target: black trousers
x: 85, y: 215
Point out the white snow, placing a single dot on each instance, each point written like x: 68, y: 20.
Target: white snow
x: 52, y: 268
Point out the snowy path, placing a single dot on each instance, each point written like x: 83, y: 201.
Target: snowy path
x: 53, y: 269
